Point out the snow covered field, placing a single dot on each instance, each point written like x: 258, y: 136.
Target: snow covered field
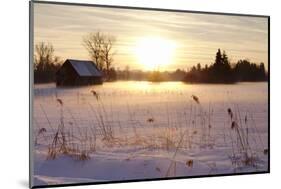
x: 141, y: 130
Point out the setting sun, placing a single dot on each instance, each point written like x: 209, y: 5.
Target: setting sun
x: 154, y: 52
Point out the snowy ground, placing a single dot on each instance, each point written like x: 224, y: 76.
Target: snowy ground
x: 141, y: 130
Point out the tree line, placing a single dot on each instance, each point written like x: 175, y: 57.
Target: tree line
x: 221, y: 71
x: 154, y: 76
x: 100, y: 49
x: 46, y: 63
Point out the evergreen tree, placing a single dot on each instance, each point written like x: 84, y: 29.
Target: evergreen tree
x: 218, y: 57
x: 224, y: 58
x: 198, y: 67
x: 262, y: 71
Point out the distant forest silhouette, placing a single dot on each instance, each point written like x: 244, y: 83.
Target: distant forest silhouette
x: 46, y: 65
x: 223, y: 72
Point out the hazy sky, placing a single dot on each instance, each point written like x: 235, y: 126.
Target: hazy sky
x: 196, y: 37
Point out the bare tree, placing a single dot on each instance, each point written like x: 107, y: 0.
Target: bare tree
x: 107, y: 51
x: 44, y: 56
x: 100, y: 48
x: 93, y: 43
x: 45, y: 62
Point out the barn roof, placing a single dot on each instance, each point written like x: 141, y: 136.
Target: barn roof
x: 85, y: 68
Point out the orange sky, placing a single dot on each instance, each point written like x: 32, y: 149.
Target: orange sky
x: 196, y: 37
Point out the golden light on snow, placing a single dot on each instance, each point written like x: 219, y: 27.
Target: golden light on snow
x: 156, y: 87
x: 154, y: 52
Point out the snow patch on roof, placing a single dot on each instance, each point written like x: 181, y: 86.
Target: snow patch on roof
x: 85, y: 68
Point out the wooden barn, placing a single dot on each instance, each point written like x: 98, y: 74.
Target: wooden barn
x: 78, y: 72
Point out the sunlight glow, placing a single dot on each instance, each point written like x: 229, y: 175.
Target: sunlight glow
x: 154, y: 52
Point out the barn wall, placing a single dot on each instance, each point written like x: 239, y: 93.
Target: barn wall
x: 66, y: 76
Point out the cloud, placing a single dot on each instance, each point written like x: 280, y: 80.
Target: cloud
x: 197, y: 36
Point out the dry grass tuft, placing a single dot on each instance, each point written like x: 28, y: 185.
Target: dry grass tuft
x: 194, y: 130
x: 230, y: 113
x: 234, y: 125
x: 242, y: 152
x: 60, y: 101
x: 189, y: 163
x: 195, y: 98
x: 150, y: 120
x: 95, y: 94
